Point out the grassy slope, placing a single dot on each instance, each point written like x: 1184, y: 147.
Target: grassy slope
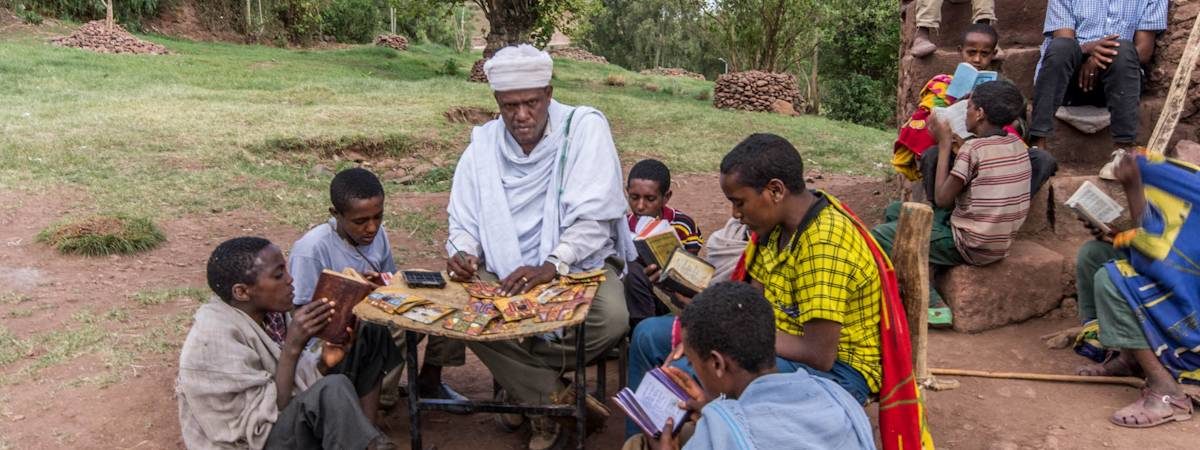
x: 177, y: 134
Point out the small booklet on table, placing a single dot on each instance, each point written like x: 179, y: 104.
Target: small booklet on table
x: 655, y: 400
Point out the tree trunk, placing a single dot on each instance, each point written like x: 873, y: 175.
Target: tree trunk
x: 509, y: 23
x: 814, y: 84
x: 108, y: 14
x: 249, y: 17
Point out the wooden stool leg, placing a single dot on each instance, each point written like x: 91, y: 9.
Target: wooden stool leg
x: 623, y: 364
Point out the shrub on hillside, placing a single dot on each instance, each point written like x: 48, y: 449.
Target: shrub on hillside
x: 859, y: 99
x: 128, y: 13
x: 351, y: 21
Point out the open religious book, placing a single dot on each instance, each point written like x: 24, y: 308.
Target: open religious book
x: 686, y: 273
x: 966, y: 77
x: 656, y: 241
x: 345, y: 289
x: 655, y: 400
x: 1090, y: 203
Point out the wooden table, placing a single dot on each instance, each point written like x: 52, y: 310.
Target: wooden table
x: 455, y: 295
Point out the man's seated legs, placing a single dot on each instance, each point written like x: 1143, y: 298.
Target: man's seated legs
x: 372, y: 356
x: 325, y: 415
x: 439, y: 352
x: 1088, y: 261
x: 1118, y: 87
x: 1162, y: 400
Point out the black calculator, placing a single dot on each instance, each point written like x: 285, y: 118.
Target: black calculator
x: 423, y: 279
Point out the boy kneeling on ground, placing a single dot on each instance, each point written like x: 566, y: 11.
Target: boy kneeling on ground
x: 239, y: 387
x: 742, y: 400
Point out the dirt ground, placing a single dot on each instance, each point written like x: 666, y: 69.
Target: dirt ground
x: 63, y: 405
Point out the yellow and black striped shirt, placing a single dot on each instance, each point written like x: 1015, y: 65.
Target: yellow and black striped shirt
x: 826, y: 272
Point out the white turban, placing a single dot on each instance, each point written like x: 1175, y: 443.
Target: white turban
x: 519, y: 67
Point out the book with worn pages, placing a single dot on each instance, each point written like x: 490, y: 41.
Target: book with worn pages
x: 345, y: 289
x: 655, y: 242
x: 1090, y: 203
x: 955, y: 116
x: 966, y: 77
x: 656, y: 399
x: 686, y: 273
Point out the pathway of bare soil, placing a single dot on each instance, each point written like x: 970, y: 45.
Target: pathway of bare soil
x: 98, y: 340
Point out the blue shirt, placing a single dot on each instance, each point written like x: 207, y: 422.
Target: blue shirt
x: 784, y: 411
x: 321, y: 248
x: 1094, y: 19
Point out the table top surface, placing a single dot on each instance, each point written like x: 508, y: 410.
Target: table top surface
x: 455, y: 295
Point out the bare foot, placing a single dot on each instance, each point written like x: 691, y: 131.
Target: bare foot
x: 1153, y: 409
x: 1114, y: 367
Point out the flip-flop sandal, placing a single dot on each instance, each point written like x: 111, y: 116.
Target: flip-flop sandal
x: 1181, y: 410
x: 940, y: 316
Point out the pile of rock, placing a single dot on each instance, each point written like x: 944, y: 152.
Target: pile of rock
x: 393, y: 41
x: 97, y: 37
x: 757, y: 91
x: 477, y: 74
x: 577, y: 54
x: 672, y: 72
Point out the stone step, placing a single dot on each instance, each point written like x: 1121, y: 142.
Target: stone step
x: 1013, y: 19
x: 1028, y: 283
x: 1065, y: 222
x: 1040, y: 210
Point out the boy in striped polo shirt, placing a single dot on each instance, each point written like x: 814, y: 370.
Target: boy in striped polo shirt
x: 981, y: 192
x: 648, y: 190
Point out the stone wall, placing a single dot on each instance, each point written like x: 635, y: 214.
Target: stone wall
x: 1020, y: 25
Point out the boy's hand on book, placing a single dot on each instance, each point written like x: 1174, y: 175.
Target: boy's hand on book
x: 462, y: 266
x: 667, y: 440
x: 307, y: 321
x: 1097, y: 233
x: 940, y: 130
x: 374, y: 278
x: 688, y: 384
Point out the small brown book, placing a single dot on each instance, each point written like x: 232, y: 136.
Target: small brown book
x: 686, y: 273
x: 346, y: 290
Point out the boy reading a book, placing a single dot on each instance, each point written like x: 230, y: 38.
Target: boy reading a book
x: 240, y: 386
x: 649, y: 189
x: 981, y: 194
x: 827, y: 325
x: 915, y: 150
x: 742, y: 399
x: 354, y: 237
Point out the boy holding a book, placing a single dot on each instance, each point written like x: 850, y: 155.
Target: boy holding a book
x: 742, y: 400
x: 648, y: 190
x: 981, y: 194
x: 916, y: 147
x: 354, y: 237
x: 812, y: 264
x: 240, y: 385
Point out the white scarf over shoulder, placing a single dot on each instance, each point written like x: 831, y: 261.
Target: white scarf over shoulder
x: 517, y: 206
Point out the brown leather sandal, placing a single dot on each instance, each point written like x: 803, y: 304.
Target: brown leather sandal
x: 1138, y: 414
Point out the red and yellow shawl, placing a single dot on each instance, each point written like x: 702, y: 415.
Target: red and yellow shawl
x: 902, y: 423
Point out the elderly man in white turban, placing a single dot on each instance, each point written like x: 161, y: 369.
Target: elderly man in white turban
x: 538, y: 194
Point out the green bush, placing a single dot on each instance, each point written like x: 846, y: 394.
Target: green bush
x: 860, y: 99
x: 450, y: 68
x: 129, y: 13
x: 351, y: 21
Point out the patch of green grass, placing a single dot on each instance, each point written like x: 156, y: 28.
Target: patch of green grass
x: 159, y: 137
x: 12, y: 348
x: 118, y: 314
x: 422, y: 225
x: 152, y: 297
x: 14, y: 298
x: 63, y: 345
x: 19, y: 313
x: 100, y: 235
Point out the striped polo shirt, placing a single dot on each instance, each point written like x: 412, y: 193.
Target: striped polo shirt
x: 995, y: 172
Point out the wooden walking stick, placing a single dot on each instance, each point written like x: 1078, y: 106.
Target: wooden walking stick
x: 910, y: 255
x: 1177, y: 93
x: 1128, y: 381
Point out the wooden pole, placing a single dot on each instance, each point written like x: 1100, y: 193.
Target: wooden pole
x: 1128, y: 381
x: 1169, y: 117
x: 910, y: 254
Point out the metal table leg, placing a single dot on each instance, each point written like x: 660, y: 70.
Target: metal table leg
x: 580, y: 386
x: 414, y: 395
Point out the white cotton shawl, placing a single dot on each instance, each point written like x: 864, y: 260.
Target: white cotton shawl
x: 518, y: 206
x: 226, y: 384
